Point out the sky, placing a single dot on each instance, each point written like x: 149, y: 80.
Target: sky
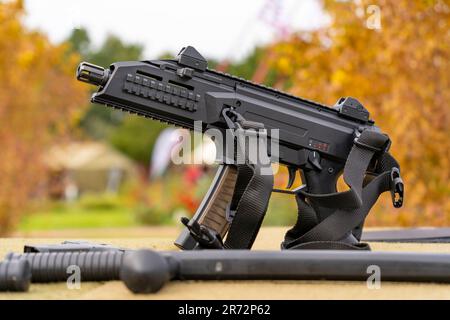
x: 225, y: 29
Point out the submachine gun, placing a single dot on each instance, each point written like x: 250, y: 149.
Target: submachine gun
x: 320, y: 142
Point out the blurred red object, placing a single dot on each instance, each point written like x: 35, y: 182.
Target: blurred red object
x: 192, y: 174
x: 189, y: 202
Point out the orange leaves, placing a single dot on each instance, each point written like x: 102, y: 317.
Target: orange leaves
x: 38, y: 93
x: 401, y: 73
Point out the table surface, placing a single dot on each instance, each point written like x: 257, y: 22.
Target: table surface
x: 161, y: 238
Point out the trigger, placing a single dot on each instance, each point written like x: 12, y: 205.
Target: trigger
x: 291, y: 171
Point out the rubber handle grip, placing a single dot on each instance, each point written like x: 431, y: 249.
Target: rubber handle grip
x: 15, y: 275
x: 53, y: 266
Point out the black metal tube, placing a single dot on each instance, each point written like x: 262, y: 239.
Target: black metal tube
x: 146, y: 271
x: 310, y: 264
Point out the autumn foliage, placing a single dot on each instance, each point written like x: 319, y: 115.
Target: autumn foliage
x: 401, y: 73
x: 38, y: 98
x: 399, y: 69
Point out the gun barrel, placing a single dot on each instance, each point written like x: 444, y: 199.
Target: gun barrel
x: 93, y: 74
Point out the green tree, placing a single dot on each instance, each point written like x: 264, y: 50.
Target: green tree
x: 247, y: 67
x: 79, y: 41
x: 114, y: 49
x: 99, y: 122
x: 116, y: 127
x: 135, y: 136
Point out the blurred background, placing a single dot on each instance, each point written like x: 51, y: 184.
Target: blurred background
x: 67, y: 164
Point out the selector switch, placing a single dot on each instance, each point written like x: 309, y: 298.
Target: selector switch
x: 314, y: 160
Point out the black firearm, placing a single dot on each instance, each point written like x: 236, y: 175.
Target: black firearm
x: 319, y: 141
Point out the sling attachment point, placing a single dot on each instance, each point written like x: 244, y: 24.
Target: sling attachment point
x: 235, y: 120
x: 397, y: 188
x: 206, y: 237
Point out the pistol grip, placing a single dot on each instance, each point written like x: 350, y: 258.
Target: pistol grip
x: 322, y: 181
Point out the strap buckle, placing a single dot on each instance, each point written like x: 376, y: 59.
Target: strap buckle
x: 397, y: 188
x: 384, y: 148
x: 227, y: 114
x: 206, y: 238
x: 235, y: 120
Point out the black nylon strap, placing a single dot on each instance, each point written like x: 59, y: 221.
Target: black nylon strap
x: 306, y: 220
x: 250, y: 201
x: 342, y: 221
x: 244, y: 175
x: 352, y: 206
x: 329, y: 245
